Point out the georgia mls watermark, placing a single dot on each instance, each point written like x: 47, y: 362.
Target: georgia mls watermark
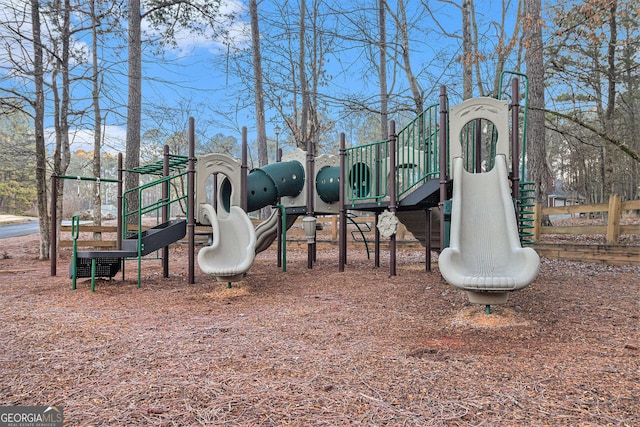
x: 31, y: 416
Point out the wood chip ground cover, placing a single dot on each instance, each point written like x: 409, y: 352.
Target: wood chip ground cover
x: 319, y: 347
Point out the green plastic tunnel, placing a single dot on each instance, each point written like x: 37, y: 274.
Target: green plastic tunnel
x: 270, y: 182
x: 267, y: 184
x: 328, y: 184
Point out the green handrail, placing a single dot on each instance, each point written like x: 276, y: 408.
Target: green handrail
x: 152, y: 207
x: 366, y: 171
x: 75, y: 233
x: 417, y: 148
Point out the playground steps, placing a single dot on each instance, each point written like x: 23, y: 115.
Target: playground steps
x: 108, y: 262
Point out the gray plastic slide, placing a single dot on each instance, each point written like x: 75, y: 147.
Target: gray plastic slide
x: 267, y: 231
x: 484, y: 256
x: 233, y: 248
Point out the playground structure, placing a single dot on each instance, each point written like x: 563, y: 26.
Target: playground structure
x: 479, y: 211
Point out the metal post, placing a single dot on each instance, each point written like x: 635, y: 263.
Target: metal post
x: 283, y: 227
x: 392, y: 193
x: 378, y: 185
x: 277, y: 130
x: 75, y: 231
x: 477, y: 144
x: 311, y: 255
x: 93, y: 274
x: 214, y: 196
x: 428, y: 240
x: 515, y: 140
x: 443, y: 160
x: 165, y: 208
x: 243, y: 171
x: 119, y: 220
x: 342, y: 235
x: 191, y: 202
x: 376, y: 241
x: 281, y: 217
x: 53, y: 249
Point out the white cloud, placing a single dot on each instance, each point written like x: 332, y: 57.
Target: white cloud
x: 232, y: 31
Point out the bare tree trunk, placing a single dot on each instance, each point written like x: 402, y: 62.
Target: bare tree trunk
x: 416, y: 91
x: 537, y: 164
x: 41, y: 152
x: 467, y: 51
x: 62, y: 156
x: 304, y: 84
x: 505, y: 44
x: 610, y: 183
x: 134, y: 102
x: 258, y: 90
x: 97, y: 119
x: 317, y: 58
x: 384, y: 96
x: 633, y: 110
x: 475, y: 50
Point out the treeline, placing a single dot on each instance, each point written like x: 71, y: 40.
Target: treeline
x: 305, y: 70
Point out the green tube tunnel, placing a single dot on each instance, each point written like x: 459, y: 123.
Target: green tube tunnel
x: 328, y: 184
x: 267, y: 184
x: 270, y: 182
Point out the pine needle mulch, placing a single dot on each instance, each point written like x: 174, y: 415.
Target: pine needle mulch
x: 319, y: 347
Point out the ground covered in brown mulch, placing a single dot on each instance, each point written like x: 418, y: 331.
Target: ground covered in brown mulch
x: 319, y: 347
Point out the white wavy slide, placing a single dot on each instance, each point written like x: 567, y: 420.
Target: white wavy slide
x: 484, y: 256
x: 233, y: 247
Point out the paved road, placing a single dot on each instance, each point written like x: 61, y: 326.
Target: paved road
x: 20, y: 229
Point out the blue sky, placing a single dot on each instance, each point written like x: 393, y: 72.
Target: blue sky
x: 193, y: 73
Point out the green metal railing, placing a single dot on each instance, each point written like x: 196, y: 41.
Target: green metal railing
x: 525, y: 214
x: 153, y: 207
x: 367, y: 171
x: 417, y: 148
